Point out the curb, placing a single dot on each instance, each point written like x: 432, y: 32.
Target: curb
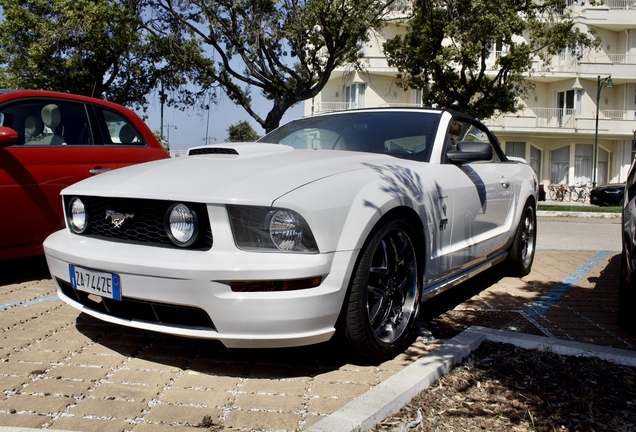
x: 578, y: 214
x: 388, y: 397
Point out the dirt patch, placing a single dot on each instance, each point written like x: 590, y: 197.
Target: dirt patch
x: 502, y: 387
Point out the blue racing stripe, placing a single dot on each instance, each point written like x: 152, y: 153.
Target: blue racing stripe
x: 546, y: 301
x: 29, y: 302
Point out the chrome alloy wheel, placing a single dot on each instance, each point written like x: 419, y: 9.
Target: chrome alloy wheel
x: 392, y: 291
x: 527, y: 237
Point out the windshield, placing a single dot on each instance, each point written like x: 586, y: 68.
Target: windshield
x: 399, y: 133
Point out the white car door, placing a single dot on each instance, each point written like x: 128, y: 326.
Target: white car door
x: 482, y: 198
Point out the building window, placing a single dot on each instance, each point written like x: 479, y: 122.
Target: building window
x: 354, y: 95
x: 583, y: 160
x: 535, y: 160
x: 603, y: 167
x: 516, y: 149
x: 418, y: 97
x: 560, y: 165
x: 496, y: 49
x: 567, y: 106
x: 570, y: 54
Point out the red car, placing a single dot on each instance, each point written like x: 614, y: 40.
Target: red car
x: 49, y: 141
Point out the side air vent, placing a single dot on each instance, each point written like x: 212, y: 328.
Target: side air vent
x: 211, y: 150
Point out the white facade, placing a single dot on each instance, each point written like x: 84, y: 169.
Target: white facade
x: 556, y: 131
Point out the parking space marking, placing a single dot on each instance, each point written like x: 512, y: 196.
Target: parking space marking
x: 546, y: 301
x: 29, y: 302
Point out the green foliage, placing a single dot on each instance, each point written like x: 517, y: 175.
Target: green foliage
x: 286, y: 49
x: 448, y: 41
x: 91, y: 47
x: 242, y: 132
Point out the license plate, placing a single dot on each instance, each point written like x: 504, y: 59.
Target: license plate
x: 102, y: 284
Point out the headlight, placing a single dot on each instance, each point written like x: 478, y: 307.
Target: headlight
x: 285, y: 230
x: 262, y: 228
x: 181, y: 225
x: 77, y: 218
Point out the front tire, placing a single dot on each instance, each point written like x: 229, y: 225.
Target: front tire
x: 575, y: 196
x: 521, y: 253
x: 385, y: 293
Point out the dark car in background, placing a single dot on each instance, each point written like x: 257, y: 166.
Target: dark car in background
x: 627, y: 286
x: 608, y: 195
x: 49, y: 141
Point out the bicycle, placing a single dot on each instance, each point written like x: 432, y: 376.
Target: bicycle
x: 559, y: 193
x: 580, y: 193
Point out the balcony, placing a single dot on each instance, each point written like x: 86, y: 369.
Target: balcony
x: 550, y: 120
x: 614, y: 15
x: 620, y: 4
x: 324, y: 107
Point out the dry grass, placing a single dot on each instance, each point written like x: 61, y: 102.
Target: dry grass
x: 500, y: 387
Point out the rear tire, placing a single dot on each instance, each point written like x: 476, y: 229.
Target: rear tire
x: 521, y: 254
x: 385, y: 293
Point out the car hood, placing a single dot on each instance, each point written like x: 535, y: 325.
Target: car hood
x: 612, y: 186
x: 248, y: 173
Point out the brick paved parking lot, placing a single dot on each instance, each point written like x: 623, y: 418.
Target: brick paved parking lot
x: 66, y: 370
x: 60, y: 369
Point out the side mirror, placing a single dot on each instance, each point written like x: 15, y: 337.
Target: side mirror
x: 7, y: 136
x: 468, y: 151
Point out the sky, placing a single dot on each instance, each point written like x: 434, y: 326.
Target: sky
x: 187, y: 128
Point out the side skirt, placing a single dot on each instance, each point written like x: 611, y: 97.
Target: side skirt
x: 455, y: 280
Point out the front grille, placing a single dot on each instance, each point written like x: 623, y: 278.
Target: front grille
x: 147, y: 224
x: 139, y: 310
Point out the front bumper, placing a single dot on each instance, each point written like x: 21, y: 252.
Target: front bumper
x: 200, y: 280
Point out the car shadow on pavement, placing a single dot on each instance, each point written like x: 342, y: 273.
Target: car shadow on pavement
x: 484, y: 300
x: 211, y: 357
x: 19, y: 270
x: 585, y: 312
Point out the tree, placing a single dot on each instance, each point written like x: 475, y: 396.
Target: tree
x: 164, y: 143
x: 286, y: 49
x: 448, y: 41
x: 89, y: 47
x: 242, y: 132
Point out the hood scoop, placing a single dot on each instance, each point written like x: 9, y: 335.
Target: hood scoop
x: 211, y: 150
x: 240, y: 149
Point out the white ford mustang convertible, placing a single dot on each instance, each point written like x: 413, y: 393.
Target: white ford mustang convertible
x: 343, y: 222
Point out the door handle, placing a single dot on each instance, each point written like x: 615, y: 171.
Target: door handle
x: 505, y: 183
x: 97, y: 170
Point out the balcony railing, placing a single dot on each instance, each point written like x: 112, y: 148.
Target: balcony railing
x: 334, y: 106
x: 618, y: 114
x: 535, y: 117
x: 616, y: 121
x: 620, y: 4
x: 622, y: 58
x: 403, y: 105
x: 554, y: 117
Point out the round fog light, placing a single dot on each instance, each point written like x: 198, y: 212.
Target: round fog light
x: 181, y: 225
x: 77, y: 216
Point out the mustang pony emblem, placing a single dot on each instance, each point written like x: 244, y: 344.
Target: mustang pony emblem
x: 117, y: 219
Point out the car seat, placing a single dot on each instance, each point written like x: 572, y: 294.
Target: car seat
x: 33, y: 128
x: 52, y: 119
x: 127, y: 134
